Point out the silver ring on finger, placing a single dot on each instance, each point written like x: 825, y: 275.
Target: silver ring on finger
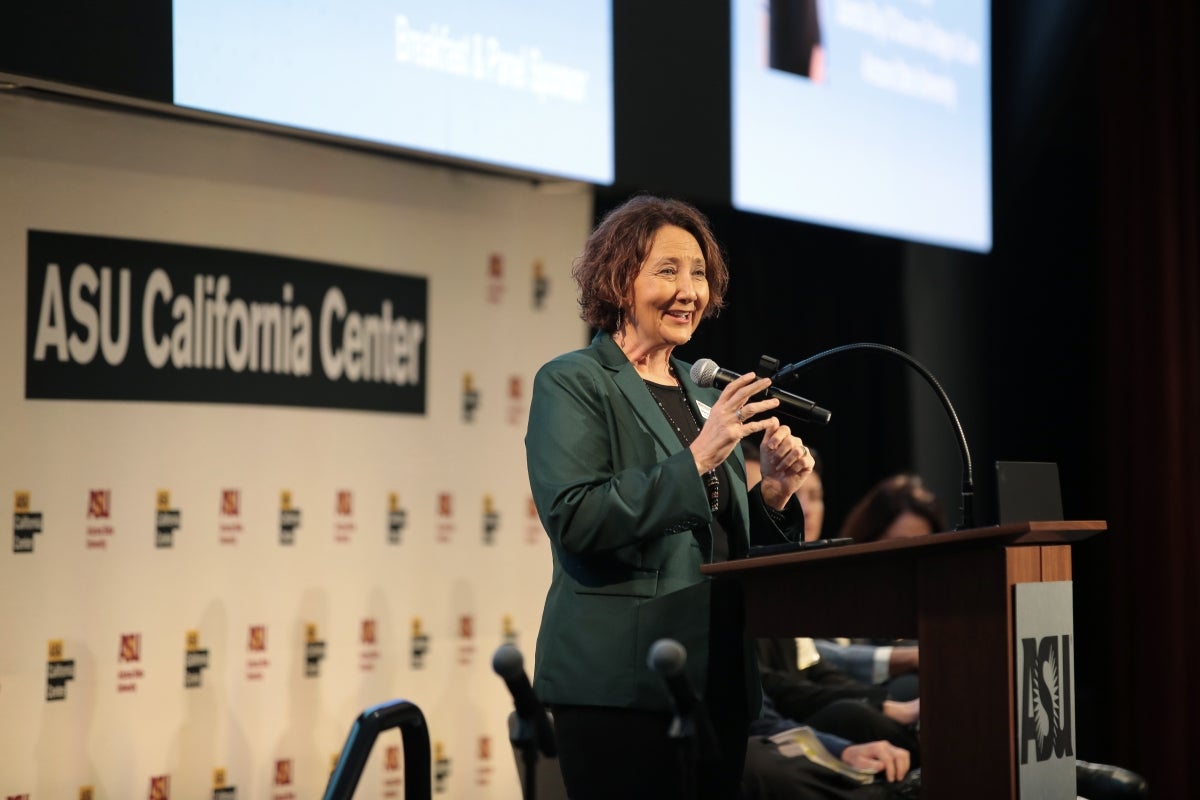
x: 738, y: 414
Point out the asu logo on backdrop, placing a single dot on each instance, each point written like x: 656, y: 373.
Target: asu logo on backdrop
x: 541, y: 284
x: 533, y: 523
x: 495, y: 278
x: 470, y: 398
x: 195, y: 660
x: 256, y: 644
x: 222, y: 791
x: 441, y: 767
x: 99, y: 503
x: 517, y: 406
x: 343, y: 525
x: 445, y: 516
x: 314, y: 651
x: 491, y: 520
x: 392, y: 781
x: 257, y: 640
x: 420, y: 644
x: 59, y: 670
x: 397, y: 517
x: 99, y: 512
x: 129, y: 654
x: 87, y: 793
x: 26, y: 522
x: 1046, y: 714
x: 369, y: 654
x: 483, y: 769
x: 508, y: 632
x: 131, y: 648
x: 230, y: 524
x: 466, y: 636
x: 160, y: 787
x: 166, y: 519
x: 283, y: 778
x: 289, y: 518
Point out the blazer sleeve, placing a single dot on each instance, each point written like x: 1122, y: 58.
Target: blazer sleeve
x: 599, y: 479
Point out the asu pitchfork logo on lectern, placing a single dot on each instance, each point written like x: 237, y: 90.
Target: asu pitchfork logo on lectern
x: 1046, y: 698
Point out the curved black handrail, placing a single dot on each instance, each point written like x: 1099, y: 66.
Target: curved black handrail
x: 370, y: 723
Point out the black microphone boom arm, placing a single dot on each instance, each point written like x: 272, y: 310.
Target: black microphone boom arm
x: 968, y: 477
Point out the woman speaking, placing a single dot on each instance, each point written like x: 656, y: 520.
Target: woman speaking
x: 639, y: 480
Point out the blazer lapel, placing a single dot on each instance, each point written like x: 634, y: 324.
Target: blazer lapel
x: 634, y: 389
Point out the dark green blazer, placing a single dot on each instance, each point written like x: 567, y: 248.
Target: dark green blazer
x: 628, y: 520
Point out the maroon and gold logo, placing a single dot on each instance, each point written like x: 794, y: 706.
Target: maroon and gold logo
x: 160, y: 787
x: 445, y: 504
x: 231, y: 502
x: 87, y: 793
x: 391, y: 758
x: 131, y: 648
x: 344, y: 503
x: 283, y: 772
x: 466, y: 626
x: 485, y: 748
x: 258, y: 638
x: 368, y: 631
x: 99, y: 503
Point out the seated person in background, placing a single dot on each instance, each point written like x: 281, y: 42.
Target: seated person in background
x: 801, y: 690
x: 897, y: 507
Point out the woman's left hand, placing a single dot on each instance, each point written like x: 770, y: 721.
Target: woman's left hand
x: 786, y: 464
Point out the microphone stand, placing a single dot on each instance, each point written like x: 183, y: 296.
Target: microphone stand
x: 683, y: 733
x: 968, y: 478
x: 523, y: 734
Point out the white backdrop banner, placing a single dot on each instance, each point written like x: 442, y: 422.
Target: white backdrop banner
x: 263, y: 429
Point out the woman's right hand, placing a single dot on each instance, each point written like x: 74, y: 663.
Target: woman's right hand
x: 730, y: 420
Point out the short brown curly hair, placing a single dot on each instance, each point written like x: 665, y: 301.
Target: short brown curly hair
x: 613, y: 254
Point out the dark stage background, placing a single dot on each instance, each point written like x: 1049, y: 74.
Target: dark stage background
x: 1076, y: 340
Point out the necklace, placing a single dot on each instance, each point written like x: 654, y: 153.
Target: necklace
x: 712, y: 483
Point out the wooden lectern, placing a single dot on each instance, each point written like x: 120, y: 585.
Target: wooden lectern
x: 954, y: 592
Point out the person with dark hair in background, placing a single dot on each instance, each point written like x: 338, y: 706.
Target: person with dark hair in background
x: 638, y: 479
x: 895, y: 508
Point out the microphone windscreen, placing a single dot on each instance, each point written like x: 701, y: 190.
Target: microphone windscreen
x: 704, y: 371
x: 667, y: 657
x: 507, y: 662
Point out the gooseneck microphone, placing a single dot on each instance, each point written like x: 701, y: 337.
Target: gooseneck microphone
x: 967, y: 509
x: 509, y: 665
x: 705, y: 372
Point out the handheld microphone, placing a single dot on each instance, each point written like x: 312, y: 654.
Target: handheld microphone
x: 705, y: 372
x: 509, y: 665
